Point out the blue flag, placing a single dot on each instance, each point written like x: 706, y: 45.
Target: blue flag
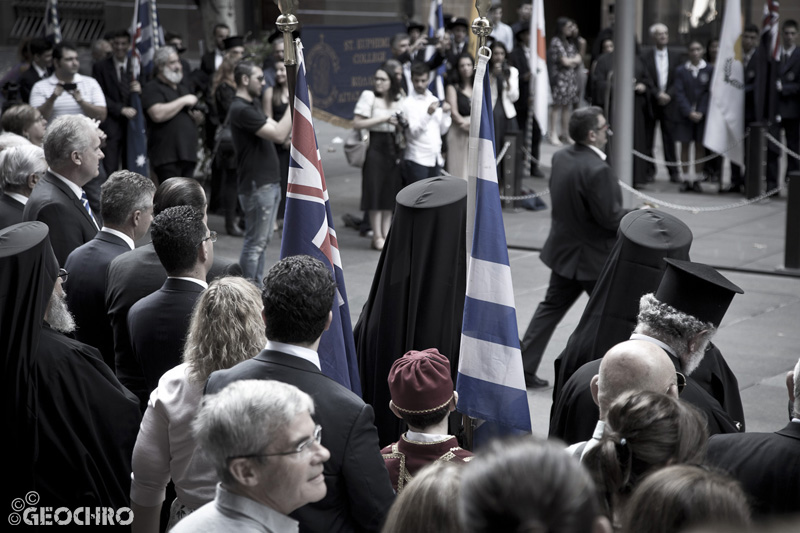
x: 490, y: 380
x: 52, y: 24
x: 308, y: 230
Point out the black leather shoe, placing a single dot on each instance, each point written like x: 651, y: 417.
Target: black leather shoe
x: 535, y: 382
x: 696, y: 187
x: 685, y: 186
x: 731, y: 189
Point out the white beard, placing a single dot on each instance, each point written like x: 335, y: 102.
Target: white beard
x: 58, y: 316
x: 173, y: 77
x: 691, y: 360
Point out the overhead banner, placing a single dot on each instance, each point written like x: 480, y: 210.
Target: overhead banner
x: 341, y: 62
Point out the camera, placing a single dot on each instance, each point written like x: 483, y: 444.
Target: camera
x: 402, y: 121
x: 69, y: 86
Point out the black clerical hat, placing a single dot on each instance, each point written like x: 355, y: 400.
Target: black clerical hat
x: 414, y: 25
x: 457, y: 21
x: 233, y: 42
x: 697, y: 290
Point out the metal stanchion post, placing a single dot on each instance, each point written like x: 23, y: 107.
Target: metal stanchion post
x: 792, y: 245
x: 756, y: 160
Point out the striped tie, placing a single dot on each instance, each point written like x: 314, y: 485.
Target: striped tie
x: 85, y: 202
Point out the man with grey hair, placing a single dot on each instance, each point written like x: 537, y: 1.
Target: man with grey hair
x: 628, y: 367
x: 72, y: 150
x: 127, y: 210
x: 766, y: 464
x: 171, y: 118
x: 21, y: 167
x: 267, y: 451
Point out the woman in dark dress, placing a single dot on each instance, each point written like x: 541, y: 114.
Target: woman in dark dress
x: 459, y: 96
x: 376, y: 111
x: 563, y: 62
x: 692, y: 83
x: 275, y: 101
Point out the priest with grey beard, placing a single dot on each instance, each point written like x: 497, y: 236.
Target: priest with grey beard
x: 84, y: 422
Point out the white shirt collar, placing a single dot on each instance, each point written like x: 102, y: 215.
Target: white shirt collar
x: 17, y: 196
x: 122, y: 236
x: 295, y: 350
x: 123, y: 63
x: 39, y: 70
x: 789, y: 51
x: 640, y: 337
x: 200, y: 282
x: 73, y: 187
x: 425, y: 437
x: 598, y: 151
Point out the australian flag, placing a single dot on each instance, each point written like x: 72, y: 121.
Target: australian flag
x: 52, y: 25
x: 308, y: 230
x: 490, y: 381
x: 147, y: 36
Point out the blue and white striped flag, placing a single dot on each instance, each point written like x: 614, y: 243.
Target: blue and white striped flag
x: 52, y: 24
x: 436, y: 31
x: 308, y: 230
x: 490, y: 381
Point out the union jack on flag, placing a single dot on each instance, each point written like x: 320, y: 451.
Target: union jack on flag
x: 147, y: 36
x: 490, y: 381
x: 52, y: 25
x: 308, y: 230
x: 769, y: 31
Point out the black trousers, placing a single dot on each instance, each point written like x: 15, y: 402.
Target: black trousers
x: 668, y: 140
x: 561, y: 294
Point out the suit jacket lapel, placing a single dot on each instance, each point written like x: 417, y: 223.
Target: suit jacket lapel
x: 71, y: 195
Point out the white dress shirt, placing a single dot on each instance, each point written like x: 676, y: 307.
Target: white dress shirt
x: 424, y: 133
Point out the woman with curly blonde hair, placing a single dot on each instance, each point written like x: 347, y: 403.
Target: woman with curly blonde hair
x: 226, y: 328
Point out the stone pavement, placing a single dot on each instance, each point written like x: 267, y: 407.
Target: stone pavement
x: 758, y: 337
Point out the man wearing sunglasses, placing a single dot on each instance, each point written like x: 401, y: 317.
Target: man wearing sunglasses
x: 266, y: 450
x: 298, y: 295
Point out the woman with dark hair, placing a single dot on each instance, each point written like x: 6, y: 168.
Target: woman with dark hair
x: 275, y: 100
x: 525, y: 485
x: 223, y: 87
x: 686, y: 497
x: 692, y: 84
x: 459, y: 96
x: 165, y: 447
x: 378, y: 111
x: 644, y: 431
x: 504, y: 84
x: 564, y: 61
x: 25, y: 121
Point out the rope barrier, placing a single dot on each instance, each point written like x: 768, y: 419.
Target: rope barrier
x: 695, y: 209
x: 696, y: 161
x: 783, y: 147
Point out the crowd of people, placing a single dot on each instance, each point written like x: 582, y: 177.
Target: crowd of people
x: 162, y: 379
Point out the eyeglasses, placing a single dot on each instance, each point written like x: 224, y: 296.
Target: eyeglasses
x: 316, y: 438
x: 63, y: 274
x: 681, y: 382
x: 212, y: 236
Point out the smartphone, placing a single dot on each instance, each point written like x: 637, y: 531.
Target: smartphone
x: 70, y: 87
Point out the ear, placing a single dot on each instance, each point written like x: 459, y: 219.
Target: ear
x: 242, y: 470
x: 33, y: 179
x: 136, y: 218
x: 790, y: 385
x: 393, y: 408
x: 202, y: 253
x: 595, y: 389
x: 263, y: 316
x: 328, y: 321
x: 696, y: 339
x: 75, y: 157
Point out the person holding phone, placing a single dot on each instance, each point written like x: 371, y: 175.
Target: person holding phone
x: 66, y: 92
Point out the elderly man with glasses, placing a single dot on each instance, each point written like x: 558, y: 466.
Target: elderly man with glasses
x: 266, y: 450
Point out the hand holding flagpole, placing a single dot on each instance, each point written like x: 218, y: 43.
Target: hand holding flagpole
x: 287, y: 23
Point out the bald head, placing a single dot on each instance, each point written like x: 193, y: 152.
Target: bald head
x: 632, y: 366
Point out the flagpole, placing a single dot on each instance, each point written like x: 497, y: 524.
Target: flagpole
x: 287, y: 23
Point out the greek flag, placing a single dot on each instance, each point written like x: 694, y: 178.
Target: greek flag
x: 490, y: 381
x: 308, y: 230
x: 52, y: 25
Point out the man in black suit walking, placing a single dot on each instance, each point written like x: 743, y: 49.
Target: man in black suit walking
x: 72, y: 149
x: 20, y: 169
x: 587, y: 208
x: 159, y: 322
x: 766, y: 464
x: 661, y: 63
x: 127, y: 210
x: 298, y: 292
x: 114, y: 76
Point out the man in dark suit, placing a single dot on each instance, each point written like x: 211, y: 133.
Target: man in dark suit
x: 788, y: 94
x: 72, y: 149
x: 766, y: 464
x: 298, y: 292
x: 660, y: 63
x: 20, y: 170
x: 127, y: 209
x: 158, y: 323
x: 41, y: 66
x: 114, y: 76
x: 587, y: 209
